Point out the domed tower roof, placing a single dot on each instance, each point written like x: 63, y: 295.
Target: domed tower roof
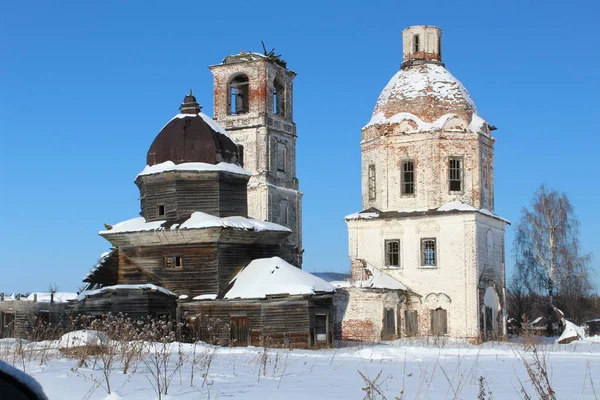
x: 423, y: 87
x: 192, y: 136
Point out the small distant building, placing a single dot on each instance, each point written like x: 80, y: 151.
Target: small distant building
x: 30, y: 316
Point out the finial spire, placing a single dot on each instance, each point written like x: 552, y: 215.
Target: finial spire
x: 190, y: 106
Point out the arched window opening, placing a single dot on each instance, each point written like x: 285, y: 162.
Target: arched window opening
x: 237, y: 97
x: 278, y: 98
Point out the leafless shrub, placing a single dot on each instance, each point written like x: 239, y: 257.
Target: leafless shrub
x: 537, y: 371
x: 484, y: 391
x: 372, y: 388
x: 158, y: 355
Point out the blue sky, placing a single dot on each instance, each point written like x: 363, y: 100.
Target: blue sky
x: 86, y: 86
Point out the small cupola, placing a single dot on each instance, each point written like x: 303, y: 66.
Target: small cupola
x: 190, y: 105
x: 422, y: 44
x: 192, y: 137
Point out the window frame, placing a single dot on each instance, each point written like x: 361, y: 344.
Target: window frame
x: 388, y: 253
x: 460, y: 179
x: 159, y: 208
x: 424, y: 254
x: 403, y: 181
x: 416, y: 43
x: 372, y: 182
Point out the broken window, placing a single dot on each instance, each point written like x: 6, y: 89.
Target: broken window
x: 389, y: 324
x: 416, y: 43
x: 411, y: 323
x: 371, y: 178
x: 392, y: 253
x: 321, y: 327
x: 174, y: 262
x: 428, y: 254
x: 408, y: 178
x: 456, y: 172
x: 237, y: 98
x: 281, y: 157
x: 439, y: 322
x: 278, y: 98
x: 160, y: 210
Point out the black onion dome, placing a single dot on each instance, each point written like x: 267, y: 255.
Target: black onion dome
x: 192, y: 137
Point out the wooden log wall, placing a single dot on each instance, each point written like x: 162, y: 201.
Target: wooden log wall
x: 197, y: 275
x: 217, y: 193
x: 272, y: 322
x: 137, y: 304
x: 27, y: 314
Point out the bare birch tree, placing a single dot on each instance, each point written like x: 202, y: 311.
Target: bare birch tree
x: 547, y: 251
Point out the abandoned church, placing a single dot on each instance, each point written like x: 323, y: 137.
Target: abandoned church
x: 220, y: 232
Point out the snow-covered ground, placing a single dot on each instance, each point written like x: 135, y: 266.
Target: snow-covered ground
x: 407, y: 369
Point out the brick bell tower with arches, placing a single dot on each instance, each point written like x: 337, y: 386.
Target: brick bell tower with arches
x: 253, y: 100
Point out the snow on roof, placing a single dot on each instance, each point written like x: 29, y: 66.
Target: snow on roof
x: 273, y: 276
x: 198, y: 220
x: 428, y: 79
x: 460, y: 206
x: 205, y: 297
x: 23, y: 378
x: 215, y: 126
x: 146, y: 286
x: 59, y: 297
x: 103, y: 257
x: 194, y: 167
x: 447, y: 207
x: 476, y: 125
x: 572, y: 332
x: 379, y: 280
x: 361, y: 215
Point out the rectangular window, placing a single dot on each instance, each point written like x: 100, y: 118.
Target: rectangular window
x: 408, y: 178
x: 281, y: 156
x: 455, y: 169
x: 372, y: 183
x: 160, y: 210
x: 392, y: 253
x: 428, y: 253
x: 416, y: 43
x: 411, y: 323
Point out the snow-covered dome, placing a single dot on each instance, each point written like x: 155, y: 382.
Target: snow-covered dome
x: 427, y: 91
x: 423, y: 95
x: 192, y: 136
